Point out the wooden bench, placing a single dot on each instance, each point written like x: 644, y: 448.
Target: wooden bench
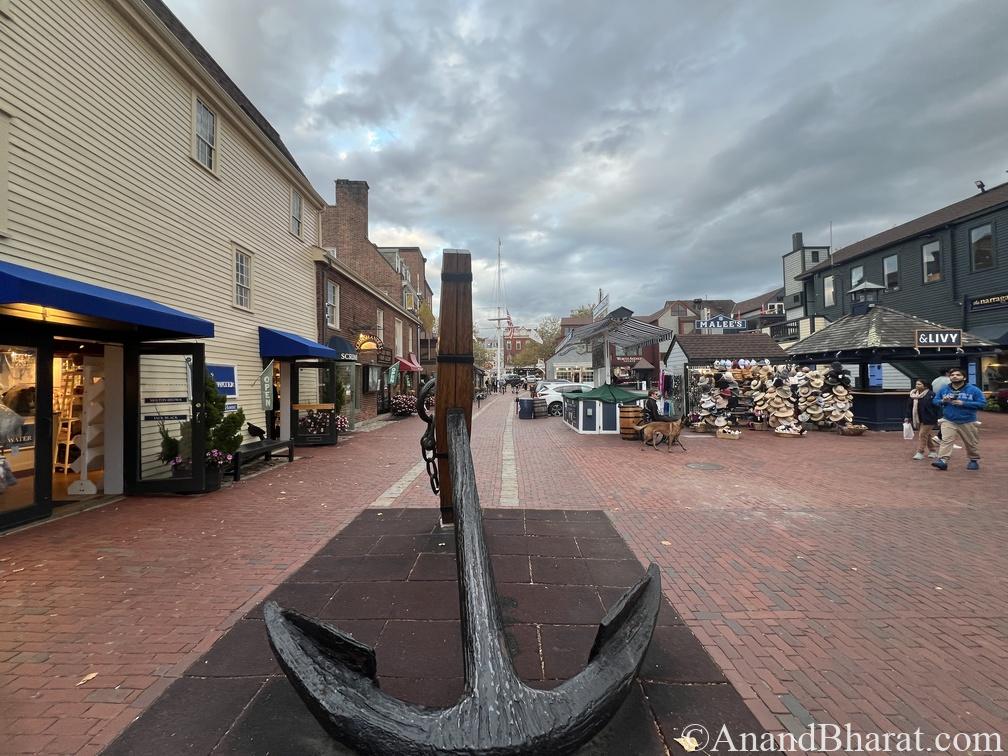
x: 255, y: 449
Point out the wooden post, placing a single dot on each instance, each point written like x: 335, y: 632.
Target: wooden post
x: 455, y: 361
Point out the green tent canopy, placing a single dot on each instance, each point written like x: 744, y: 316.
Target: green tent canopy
x: 608, y: 393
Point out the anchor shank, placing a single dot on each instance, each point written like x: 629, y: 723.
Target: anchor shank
x: 488, y: 668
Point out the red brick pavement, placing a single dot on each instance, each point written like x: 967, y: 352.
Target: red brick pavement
x: 133, y: 592
x: 831, y: 578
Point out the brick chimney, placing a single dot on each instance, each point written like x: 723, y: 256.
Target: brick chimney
x: 345, y: 223
x: 797, y: 241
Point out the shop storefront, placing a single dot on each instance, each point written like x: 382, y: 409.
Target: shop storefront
x: 86, y: 381
x: 310, y: 385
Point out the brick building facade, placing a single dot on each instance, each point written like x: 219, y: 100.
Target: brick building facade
x: 360, y: 294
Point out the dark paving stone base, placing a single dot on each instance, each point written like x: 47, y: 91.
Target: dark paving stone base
x: 389, y: 579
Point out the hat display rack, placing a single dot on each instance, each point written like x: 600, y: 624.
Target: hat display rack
x: 787, y: 400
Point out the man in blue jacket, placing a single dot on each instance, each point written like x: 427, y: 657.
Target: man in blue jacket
x: 959, y: 402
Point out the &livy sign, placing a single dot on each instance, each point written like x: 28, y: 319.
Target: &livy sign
x: 938, y: 337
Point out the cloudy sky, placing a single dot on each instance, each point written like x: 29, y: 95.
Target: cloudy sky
x: 656, y: 150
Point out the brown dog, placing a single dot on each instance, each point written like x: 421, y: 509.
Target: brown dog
x: 666, y: 430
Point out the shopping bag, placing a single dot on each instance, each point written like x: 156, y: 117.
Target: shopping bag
x: 908, y: 432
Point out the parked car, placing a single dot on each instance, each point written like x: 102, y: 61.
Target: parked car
x: 553, y: 394
x: 513, y: 379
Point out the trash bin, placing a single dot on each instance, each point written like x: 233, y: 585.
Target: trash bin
x: 525, y: 409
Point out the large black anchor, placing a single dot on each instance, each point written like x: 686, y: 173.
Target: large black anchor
x: 497, y: 714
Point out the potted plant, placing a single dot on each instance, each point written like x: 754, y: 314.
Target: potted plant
x: 222, y: 437
x: 403, y: 405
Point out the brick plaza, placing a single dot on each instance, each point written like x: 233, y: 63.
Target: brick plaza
x: 831, y: 579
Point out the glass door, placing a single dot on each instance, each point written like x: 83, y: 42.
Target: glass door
x: 313, y: 402
x: 26, y: 425
x: 165, y: 441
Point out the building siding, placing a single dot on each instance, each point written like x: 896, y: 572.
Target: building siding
x: 939, y: 301
x: 102, y: 187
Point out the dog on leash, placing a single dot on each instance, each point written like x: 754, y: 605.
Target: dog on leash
x: 654, y: 433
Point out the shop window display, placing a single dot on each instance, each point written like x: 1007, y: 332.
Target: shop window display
x: 18, y: 406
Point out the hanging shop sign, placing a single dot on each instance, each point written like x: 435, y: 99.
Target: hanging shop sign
x: 938, y: 337
x: 393, y: 374
x: 366, y: 341
x: 224, y: 377
x: 989, y: 302
x: 722, y: 321
x: 384, y: 356
x: 265, y: 384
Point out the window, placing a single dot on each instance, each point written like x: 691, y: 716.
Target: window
x: 815, y: 255
x: 206, y: 136
x: 296, y: 207
x: 243, y: 279
x: 332, y: 304
x: 890, y: 272
x: 829, y: 292
x: 410, y: 342
x: 398, y: 338
x: 931, y: 261
x: 4, y: 141
x: 509, y: 345
x: 856, y: 275
x: 380, y: 325
x: 409, y: 301
x: 982, y: 247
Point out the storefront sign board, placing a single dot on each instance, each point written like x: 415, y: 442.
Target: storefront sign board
x: 875, y: 374
x: 393, y: 374
x: 988, y: 302
x: 225, y: 378
x: 722, y: 321
x: 938, y: 337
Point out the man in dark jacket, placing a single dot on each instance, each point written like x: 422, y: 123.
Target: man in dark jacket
x: 959, y: 402
x: 651, y: 413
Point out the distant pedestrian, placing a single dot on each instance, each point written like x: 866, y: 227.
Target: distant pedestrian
x: 941, y: 381
x: 922, y: 415
x: 959, y: 402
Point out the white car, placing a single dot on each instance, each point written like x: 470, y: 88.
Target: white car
x: 554, y: 391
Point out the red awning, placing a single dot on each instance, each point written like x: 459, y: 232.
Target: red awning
x: 412, y: 358
x: 405, y: 366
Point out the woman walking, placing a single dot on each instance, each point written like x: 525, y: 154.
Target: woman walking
x: 923, y: 416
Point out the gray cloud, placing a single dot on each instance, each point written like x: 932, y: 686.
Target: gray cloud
x: 653, y: 151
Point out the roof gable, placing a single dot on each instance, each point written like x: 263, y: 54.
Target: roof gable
x: 751, y: 345
x: 978, y: 203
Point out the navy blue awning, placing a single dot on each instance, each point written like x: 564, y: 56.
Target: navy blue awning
x: 273, y: 343
x: 345, y: 351
x: 21, y: 285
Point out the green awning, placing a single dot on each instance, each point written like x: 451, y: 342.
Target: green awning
x: 608, y: 393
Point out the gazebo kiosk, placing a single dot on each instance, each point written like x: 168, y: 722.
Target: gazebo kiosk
x: 884, y: 343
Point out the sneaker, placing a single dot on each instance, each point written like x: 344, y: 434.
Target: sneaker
x: 918, y: 455
x: 941, y: 464
x: 973, y: 465
x: 933, y: 455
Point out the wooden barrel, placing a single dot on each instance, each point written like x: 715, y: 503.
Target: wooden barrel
x: 539, y: 407
x: 629, y: 416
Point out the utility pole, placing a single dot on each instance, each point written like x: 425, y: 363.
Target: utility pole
x: 500, y: 293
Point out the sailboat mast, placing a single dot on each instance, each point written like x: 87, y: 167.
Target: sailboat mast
x: 500, y: 343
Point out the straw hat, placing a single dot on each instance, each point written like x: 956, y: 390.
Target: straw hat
x: 842, y: 405
x: 721, y: 422
x: 784, y: 412
x: 804, y: 391
x: 721, y: 402
x: 836, y: 416
x: 784, y: 392
x: 848, y: 416
x: 804, y: 417
x: 815, y: 412
x: 816, y: 382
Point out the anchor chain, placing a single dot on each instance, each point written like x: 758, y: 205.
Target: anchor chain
x: 428, y: 444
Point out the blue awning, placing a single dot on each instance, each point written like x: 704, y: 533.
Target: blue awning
x: 345, y: 351
x: 21, y: 285
x: 273, y: 343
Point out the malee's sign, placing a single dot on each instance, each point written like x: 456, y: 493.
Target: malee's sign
x: 938, y: 337
x: 722, y: 321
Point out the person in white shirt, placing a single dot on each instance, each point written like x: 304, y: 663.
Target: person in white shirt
x: 941, y: 381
